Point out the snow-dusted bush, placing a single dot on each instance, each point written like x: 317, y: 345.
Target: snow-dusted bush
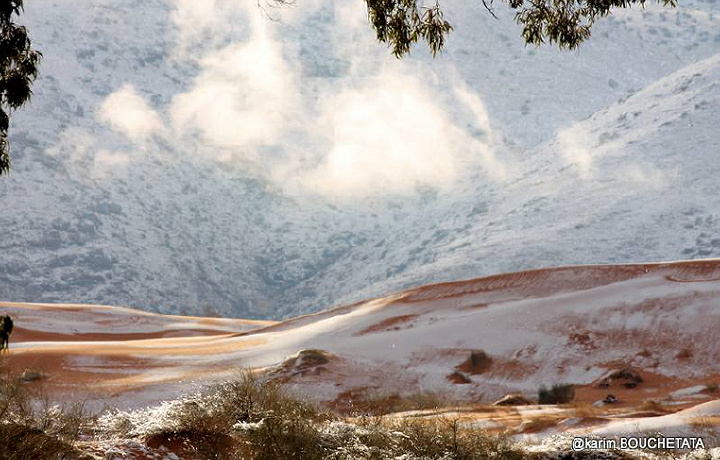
x: 248, y: 418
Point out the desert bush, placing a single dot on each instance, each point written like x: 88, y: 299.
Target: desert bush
x: 586, y: 410
x: 557, y: 394
x: 241, y: 418
x: 447, y: 439
x: 477, y: 363
x: 284, y: 435
x: 376, y: 403
x: 14, y: 400
x: 23, y: 442
x: 651, y: 405
x: 427, y: 400
x: 480, y: 359
x: 32, y: 426
x: 375, y: 438
x: 254, y: 419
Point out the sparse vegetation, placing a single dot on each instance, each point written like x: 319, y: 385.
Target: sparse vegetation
x: 557, y: 394
x: 703, y: 424
x: 711, y: 388
x: 364, y: 402
x: 477, y: 363
x: 628, y: 378
x: 512, y: 400
x: 651, y: 405
x: 537, y: 424
x: 18, y: 70
x: 32, y: 427
x: 252, y: 419
x: 245, y: 418
x: 586, y: 410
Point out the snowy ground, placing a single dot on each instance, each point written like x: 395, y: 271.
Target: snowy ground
x: 564, y: 325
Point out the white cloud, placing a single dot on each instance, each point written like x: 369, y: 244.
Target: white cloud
x: 78, y: 149
x: 574, y: 144
x: 126, y: 112
x: 240, y: 100
x: 390, y: 135
x: 380, y: 126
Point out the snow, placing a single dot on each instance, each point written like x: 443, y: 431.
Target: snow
x: 526, y: 325
x: 677, y: 424
x: 606, y: 156
x: 95, y: 319
x: 689, y: 391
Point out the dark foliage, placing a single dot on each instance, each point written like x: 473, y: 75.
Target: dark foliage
x: 32, y: 427
x: 18, y: 70
x: 557, y: 394
x: 400, y: 23
x: 567, y: 23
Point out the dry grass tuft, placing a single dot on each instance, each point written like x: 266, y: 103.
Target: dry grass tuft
x: 586, y: 410
x: 654, y: 407
x: 256, y: 420
x: 536, y: 425
x: 711, y: 389
x: 368, y: 402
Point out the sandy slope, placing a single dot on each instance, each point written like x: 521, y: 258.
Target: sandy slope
x: 570, y: 324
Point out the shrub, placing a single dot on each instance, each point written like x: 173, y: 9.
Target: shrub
x: 651, y: 405
x: 253, y: 419
x: 32, y: 427
x: 477, y: 363
x: 364, y: 402
x: 20, y: 442
x: 557, y: 394
x: 446, y: 438
x: 243, y: 418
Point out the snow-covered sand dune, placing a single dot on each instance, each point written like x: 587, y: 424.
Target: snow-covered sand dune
x: 570, y: 324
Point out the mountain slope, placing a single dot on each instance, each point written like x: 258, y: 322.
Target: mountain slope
x: 172, y: 221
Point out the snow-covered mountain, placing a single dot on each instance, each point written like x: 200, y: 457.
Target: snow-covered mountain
x: 177, y: 156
